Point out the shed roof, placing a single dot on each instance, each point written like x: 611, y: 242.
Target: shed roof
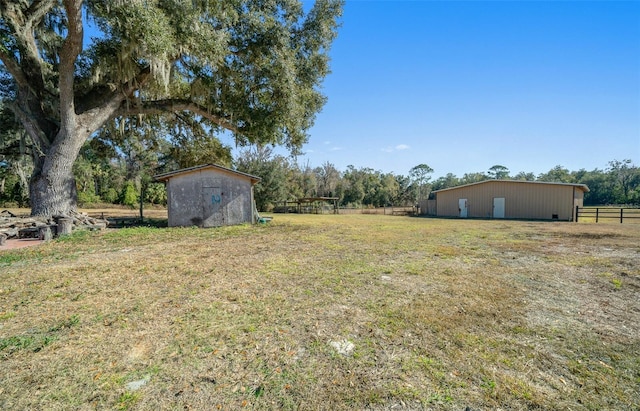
x: 583, y: 187
x: 167, y: 176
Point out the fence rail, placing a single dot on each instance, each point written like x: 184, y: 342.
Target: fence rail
x: 327, y: 209
x: 607, y: 213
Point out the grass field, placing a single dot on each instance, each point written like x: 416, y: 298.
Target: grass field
x: 325, y: 312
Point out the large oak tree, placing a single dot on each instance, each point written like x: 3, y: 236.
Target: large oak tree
x: 251, y: 67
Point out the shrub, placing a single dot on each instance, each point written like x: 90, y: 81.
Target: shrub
x: 156, y: 194
x: 129, y: 195
x: 111, y: 196
x: 86, y: 197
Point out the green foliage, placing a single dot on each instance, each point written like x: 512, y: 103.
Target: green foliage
x: 111, y: 195
x: 599, y: 188
x: 353, y: 190
x: 420, y: 175
x: 447, y: 181
x: 129, y: 195
x: 19, y: 194
x: 366, y: 186
x: 155, y: 193
x: 87, y: 197
x: 273, y: 171
x: 524, y: 176
x: 558, y: 174
x: 625, y: 178
x: 498, y: 172
x: 190, y: 151
x: 469, y: 178
x: 327, y: 178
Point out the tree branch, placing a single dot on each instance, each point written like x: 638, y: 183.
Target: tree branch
x: 176, y: 105
x: 99, y: 106
x: 27, y: 70
x: 31, y: 126
x: 14, y: 69
x: 36, y: 12
x: 71, y: 48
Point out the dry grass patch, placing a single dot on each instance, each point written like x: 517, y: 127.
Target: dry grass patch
x: 325, y: 312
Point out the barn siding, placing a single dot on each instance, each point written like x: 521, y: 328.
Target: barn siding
x: 522, y: 200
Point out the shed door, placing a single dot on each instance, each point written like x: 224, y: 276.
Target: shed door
x: 213, y: 207
x: 462, y: 207
x: 498, y: 207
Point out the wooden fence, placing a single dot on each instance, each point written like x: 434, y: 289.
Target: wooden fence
x: 608, y: 214
x: 326, y: 209
x: 391, y: 210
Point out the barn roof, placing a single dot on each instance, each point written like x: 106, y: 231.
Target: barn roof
x: 583, y: 187
x: 167, y: 176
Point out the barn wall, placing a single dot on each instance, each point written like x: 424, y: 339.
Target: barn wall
x: 522, y: 200
x: 209, y: 198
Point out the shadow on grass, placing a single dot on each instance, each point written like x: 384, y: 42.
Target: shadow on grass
x: 126, y: 222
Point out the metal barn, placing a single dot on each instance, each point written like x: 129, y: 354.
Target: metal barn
x: 510, y: 199
x: 209, y: 196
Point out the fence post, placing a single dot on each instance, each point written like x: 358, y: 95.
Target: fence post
x: 597, y: 209
x: 577, y: 212
x: 621, y: 215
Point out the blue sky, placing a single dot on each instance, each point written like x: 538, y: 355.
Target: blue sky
x: 463, y: 86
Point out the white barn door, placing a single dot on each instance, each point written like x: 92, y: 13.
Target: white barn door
x: 462, y: 207
x: 498, y: 207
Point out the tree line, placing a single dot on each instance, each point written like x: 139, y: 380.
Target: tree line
x: 283, y: 179
x: 117, y: 167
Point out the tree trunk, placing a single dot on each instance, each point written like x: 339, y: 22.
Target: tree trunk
x: 53, y: 187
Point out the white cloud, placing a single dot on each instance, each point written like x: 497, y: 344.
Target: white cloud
x: 399, y: 147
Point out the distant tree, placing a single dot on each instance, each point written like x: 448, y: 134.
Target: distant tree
x: 305, y: 179
x: 387, y: 191
x: 600, y: 188
x: 524, y: 176
x: 327, y: 178
x: 100, y: 172
x: 577, y: 176
x: 450, y: 180
x: 498, y: 172
x: 85, y: 181
x: 155, y: 193
x: 129, y: 195
x: 16, y: 158
x: 626, y: 180
x: 469, y: 178
x: 371, y: 184
x: 198, y: 150
x: 420, y: 175
x: 353, y: 190
x: 558, y: 174
x: 406, y: 193
x: 273, y: 170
